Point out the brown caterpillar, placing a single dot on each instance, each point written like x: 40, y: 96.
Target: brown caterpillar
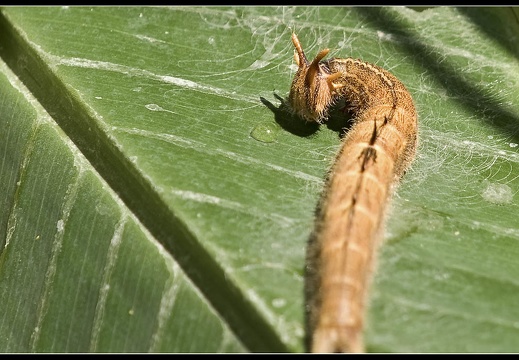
x: 374, y: 155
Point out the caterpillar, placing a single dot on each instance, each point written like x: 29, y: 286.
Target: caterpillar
x: 374, y: 155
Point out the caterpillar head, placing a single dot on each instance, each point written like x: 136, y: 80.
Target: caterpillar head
x: 312, y: 89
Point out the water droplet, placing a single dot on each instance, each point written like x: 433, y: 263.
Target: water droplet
x: 265, y: 132
x: 277, y: 303
x: 153, y: 107
x: 475, y: 225
x: 498, y: 194
x: 60, y: 225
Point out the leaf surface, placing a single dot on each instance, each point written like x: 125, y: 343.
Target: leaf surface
x: 165, y: 203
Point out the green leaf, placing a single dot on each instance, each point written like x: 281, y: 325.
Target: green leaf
x: 160, y: 198
x: 79, y: 272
